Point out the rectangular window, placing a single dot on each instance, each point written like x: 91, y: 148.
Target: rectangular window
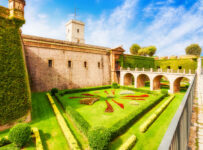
x: 69, y: 64
x: 85, y: 64
x: 179, y: 67
x: 78, y: 30
x: 158, y: 67
x: 50, y: 63
x: 99, y: 65
x: 169, y: 67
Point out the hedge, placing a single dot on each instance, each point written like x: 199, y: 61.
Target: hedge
x: 80, y: 122
x: 38, y: 141
x: 14, y: 92
x: 65, y: 129
x: 122, y: 125
x: 70, y: 91
x: 132, y: 61
x: 155, y: 115
x: 129, y: 143
x: 4, y: 141
x: 139, y: 90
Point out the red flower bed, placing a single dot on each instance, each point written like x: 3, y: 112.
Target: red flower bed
x: 113, y: 92
x: 119, y: 104
x: 145, y: 95
x: 87, y: 94
x: 164, y: 84
x: 106, y: 92
x: 109, y: 107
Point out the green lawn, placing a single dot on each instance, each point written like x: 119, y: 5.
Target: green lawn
x: 91, y: 113
x: 153, y: 136
x: 44, y: 119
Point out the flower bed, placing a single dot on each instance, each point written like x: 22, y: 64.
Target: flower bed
x: 109, y: 107
x: 88, y: 101
x: 119, y: 104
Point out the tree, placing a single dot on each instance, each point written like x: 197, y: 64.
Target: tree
x: 143, y: 51
x: 151, y: 50
x: 193, y: 49
x: 134, y: 49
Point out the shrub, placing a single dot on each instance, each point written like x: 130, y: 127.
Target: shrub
x: 129, y: 143
x: 164, y: 92
x: 20, y: 134
x: 143, y: 51
x: 151, y: 50
x: 193, y: 49
x: 4, y: 141
x: 115, y: 85
x: 134, y: 49
x: 99, y: 138
x: 54, y: 91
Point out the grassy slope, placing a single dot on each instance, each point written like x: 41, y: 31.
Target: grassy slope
x: 97, y: 110
x: 44, y: 119
x: 152, y: 137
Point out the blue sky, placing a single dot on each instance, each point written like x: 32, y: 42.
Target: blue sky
x: 170, y: 25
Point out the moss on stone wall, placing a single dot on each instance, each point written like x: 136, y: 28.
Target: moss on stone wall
x: 14, y: 86
x: 136, y: 61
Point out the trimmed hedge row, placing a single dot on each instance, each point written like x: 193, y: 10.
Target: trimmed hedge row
x: 80, y: 122
x: 155, y: 115
x: 38, y: 141
x: 70, y: 91
x: 139, y: 90
x: 66, y: 131
x: 14, y: 85
x: 122, y: 125
x: 129, y: 143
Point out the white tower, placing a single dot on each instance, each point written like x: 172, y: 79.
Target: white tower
x: 75, y: 31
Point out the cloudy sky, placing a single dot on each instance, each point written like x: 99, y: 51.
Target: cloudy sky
x: 170, y: 25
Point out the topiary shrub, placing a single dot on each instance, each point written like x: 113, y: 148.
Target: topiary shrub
x: 134, y: 49
x: 4, y: 141
x: 115, y: 85
x: 20, y: 134
x: 99, y: 138
x: 54, y: 91
x: 193, y: 49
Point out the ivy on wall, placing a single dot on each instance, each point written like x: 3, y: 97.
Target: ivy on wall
x: 174, y: 64
x: 136, y: 61
x: 14, y: 85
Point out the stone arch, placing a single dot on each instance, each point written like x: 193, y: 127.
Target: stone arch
x: 128, y: 79
x: 176, y: 84
x: 141, y: 79
x: 157, y: 82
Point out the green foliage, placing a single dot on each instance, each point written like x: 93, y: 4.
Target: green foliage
x: 69, y: 91
x: 193, y: 49
x: 143, y: 51
x: 54, y: 91
x: 163, y: 91
x: 4, y: 141
x: 151, y: 50
x: 134, y: 49
x: 20, y: 134
x: 115, y: 85
x: 136, y: 61
x: 99, y: 138
x: 187, y: 64
x: 14, y: 91
x: 123, y: 124
x: 129, y: 143
x: 81, y: 123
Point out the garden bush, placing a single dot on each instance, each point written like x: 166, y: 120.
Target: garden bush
x: 54, y: 91
x: 14, y: 85
x: 122, y: 125
x: 129, y: 143
x: 164, y: 92
x: 20, y: 134
x: 115, y: 85
x: 4, y: 141
x: 99, y: 138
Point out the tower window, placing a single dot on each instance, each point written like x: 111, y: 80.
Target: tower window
x: 50, y: 63
x: 69, y: 64
x: 99, y: 65
x: 179, y: 67
x: 78, y: 30
x: 85, y: 64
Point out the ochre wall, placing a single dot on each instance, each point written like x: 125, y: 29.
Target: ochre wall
x: 43, y: 78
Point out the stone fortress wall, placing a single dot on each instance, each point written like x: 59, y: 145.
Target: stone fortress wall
x: 61, y: 64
